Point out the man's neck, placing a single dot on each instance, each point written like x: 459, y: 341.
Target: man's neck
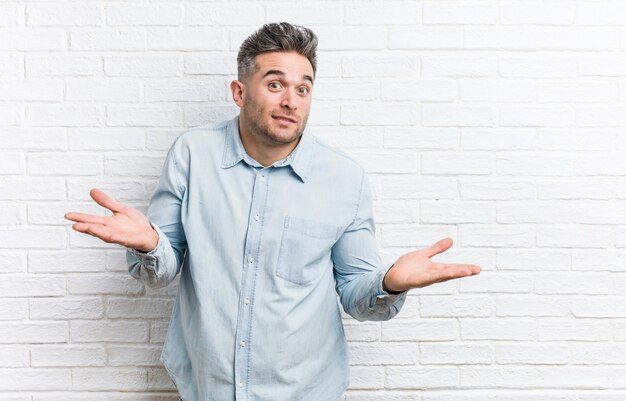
x: 264, y: 153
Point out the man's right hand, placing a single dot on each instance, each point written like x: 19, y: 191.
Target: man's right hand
x: 127, y: 226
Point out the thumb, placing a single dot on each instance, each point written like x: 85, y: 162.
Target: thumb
x: 105, y: 200
x: 438, y: 247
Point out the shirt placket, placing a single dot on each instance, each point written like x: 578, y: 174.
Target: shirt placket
x: 246, y: 297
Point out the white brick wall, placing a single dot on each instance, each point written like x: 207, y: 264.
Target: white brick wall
x: 499, y: 123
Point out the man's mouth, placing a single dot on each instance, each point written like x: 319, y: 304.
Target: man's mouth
x: 284, y: 119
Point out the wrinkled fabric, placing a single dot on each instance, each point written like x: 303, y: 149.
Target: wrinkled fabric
x: 266, y: 257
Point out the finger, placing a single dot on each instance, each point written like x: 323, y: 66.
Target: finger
x: 84, y: 218
x: 452, y: 271
x: 438, y: 247
x: 96, y: 230
x: 105, y: 200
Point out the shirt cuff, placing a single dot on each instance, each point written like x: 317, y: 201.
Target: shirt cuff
x: 381, y: 293
x: 150, y: 258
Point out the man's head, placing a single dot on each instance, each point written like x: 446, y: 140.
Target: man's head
x: 276, y: 70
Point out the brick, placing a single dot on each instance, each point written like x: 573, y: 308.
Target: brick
x: 533, y: 66
x: 134, y: 356
x: 532, y: 354
x: 12, y: 261
x: 458, y: 116
x: 512, y: 13
x: 432, y: 138
x: 31, y: 90
x: 457, y: 163
x: 144, y: 14
x: 32, y: 237
x: 194, y: 115
x: 540, y: 38
x: 578, y: 188
x: 379, y: 114
x: 535, y: 165
x: 498, y: 90
x: 224, y: 14
x: 103, y: 284
x: 161, y: 139
x: 573, y: 283
x: 419, y: 188
x: 32, y: 332
x: 414, y: 235
x: 497, y: 189
x: 534, y: 259
x: 383, y: 354
x: 134, y: 165
x: 422, y: 378
x: 595, y: 354
x: 498, y: 329
x: 66, y: 308
x: 362, y: 377
x: 102, y: 90
x: 599, y: 260
x: 63, y: 115
x: 68, y: 15
x: 497, y: 236
x: 594, y: 307
x: 122, y: 190
x: 457, y: 306
x: 329, y: 89
x: 112, y: 331
x: 463, y: 14
x: 420, y: 330
x: 9, y: 15
x: 143, y: 66
x: 106, y: 139
x: 33, y: 39
x: 12, y: 163
x: 158, y: 331
x: 532, y: 306
x: 555, y: 377
x: 306, y: 13
x: 64, y: 163
x: 35, y: 379
x: 425, y: 37
x: 387, y: 163
x: 373, y: 64
x: 459, y: 64
x: 10, y: 65
x: 388, y: 13
x: 106, y: 379
x: 573, y: 330
x: 33, y: 138
x: 187, y: 39
x: 363, y: 331
x: 14, y: 357
x: 454, y: 212
x: 537, y: 116
x: 598, y: 14
x: 13, y: 309
x: 574, y: 237
x: 507, y: 282
x: 28, y: 285
x: 600, y: 116
x: 210, y: 63
x: 424, y: 90
x: 455, y: 354
x: 67, y: 355
x: 139, y: 308
x: 351, y: 38
x: 159, y: 379
x: 535, y: 212
x: 62, y: 65
x: 184, y: 90
x: 156, y: 116
x: 108, y: 39
x: 395, y: 212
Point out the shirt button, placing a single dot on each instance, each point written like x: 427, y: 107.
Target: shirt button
x: 262, y: 177
x: 240, y: 384
x: 242, y: 343
x: 250, y: 259
x: 246, y: 301
x: 256, y: 217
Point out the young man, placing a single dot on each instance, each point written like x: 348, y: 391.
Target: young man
x: 266, y: 225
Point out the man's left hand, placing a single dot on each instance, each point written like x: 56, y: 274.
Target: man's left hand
x: 416, y: 269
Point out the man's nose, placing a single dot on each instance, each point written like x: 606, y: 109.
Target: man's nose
x: 289, y: 100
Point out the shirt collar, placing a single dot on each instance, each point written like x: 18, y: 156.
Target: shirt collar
x: 299, y: 159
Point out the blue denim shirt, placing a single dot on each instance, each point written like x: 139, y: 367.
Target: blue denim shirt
x: 262, y: 253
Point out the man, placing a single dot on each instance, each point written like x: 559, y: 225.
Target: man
x: 265, y: 224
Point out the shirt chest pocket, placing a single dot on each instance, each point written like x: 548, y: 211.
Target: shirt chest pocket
x: 305, y: 249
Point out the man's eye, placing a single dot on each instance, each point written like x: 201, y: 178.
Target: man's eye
x: 304, y: 90
x: 274, y: 85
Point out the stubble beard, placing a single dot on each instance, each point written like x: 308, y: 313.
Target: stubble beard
x: 257, y: 128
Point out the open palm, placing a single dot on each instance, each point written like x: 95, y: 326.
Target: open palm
x: 127, y: 226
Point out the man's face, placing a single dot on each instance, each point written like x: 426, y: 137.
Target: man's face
x: 277, y: 97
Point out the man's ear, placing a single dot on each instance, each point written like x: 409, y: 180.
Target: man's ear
x: 237, y: 88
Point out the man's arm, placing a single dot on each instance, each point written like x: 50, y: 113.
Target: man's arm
x: 369, y: 291
x: 155, y: 243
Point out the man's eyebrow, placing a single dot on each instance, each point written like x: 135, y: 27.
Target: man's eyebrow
x: 305, y: 77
